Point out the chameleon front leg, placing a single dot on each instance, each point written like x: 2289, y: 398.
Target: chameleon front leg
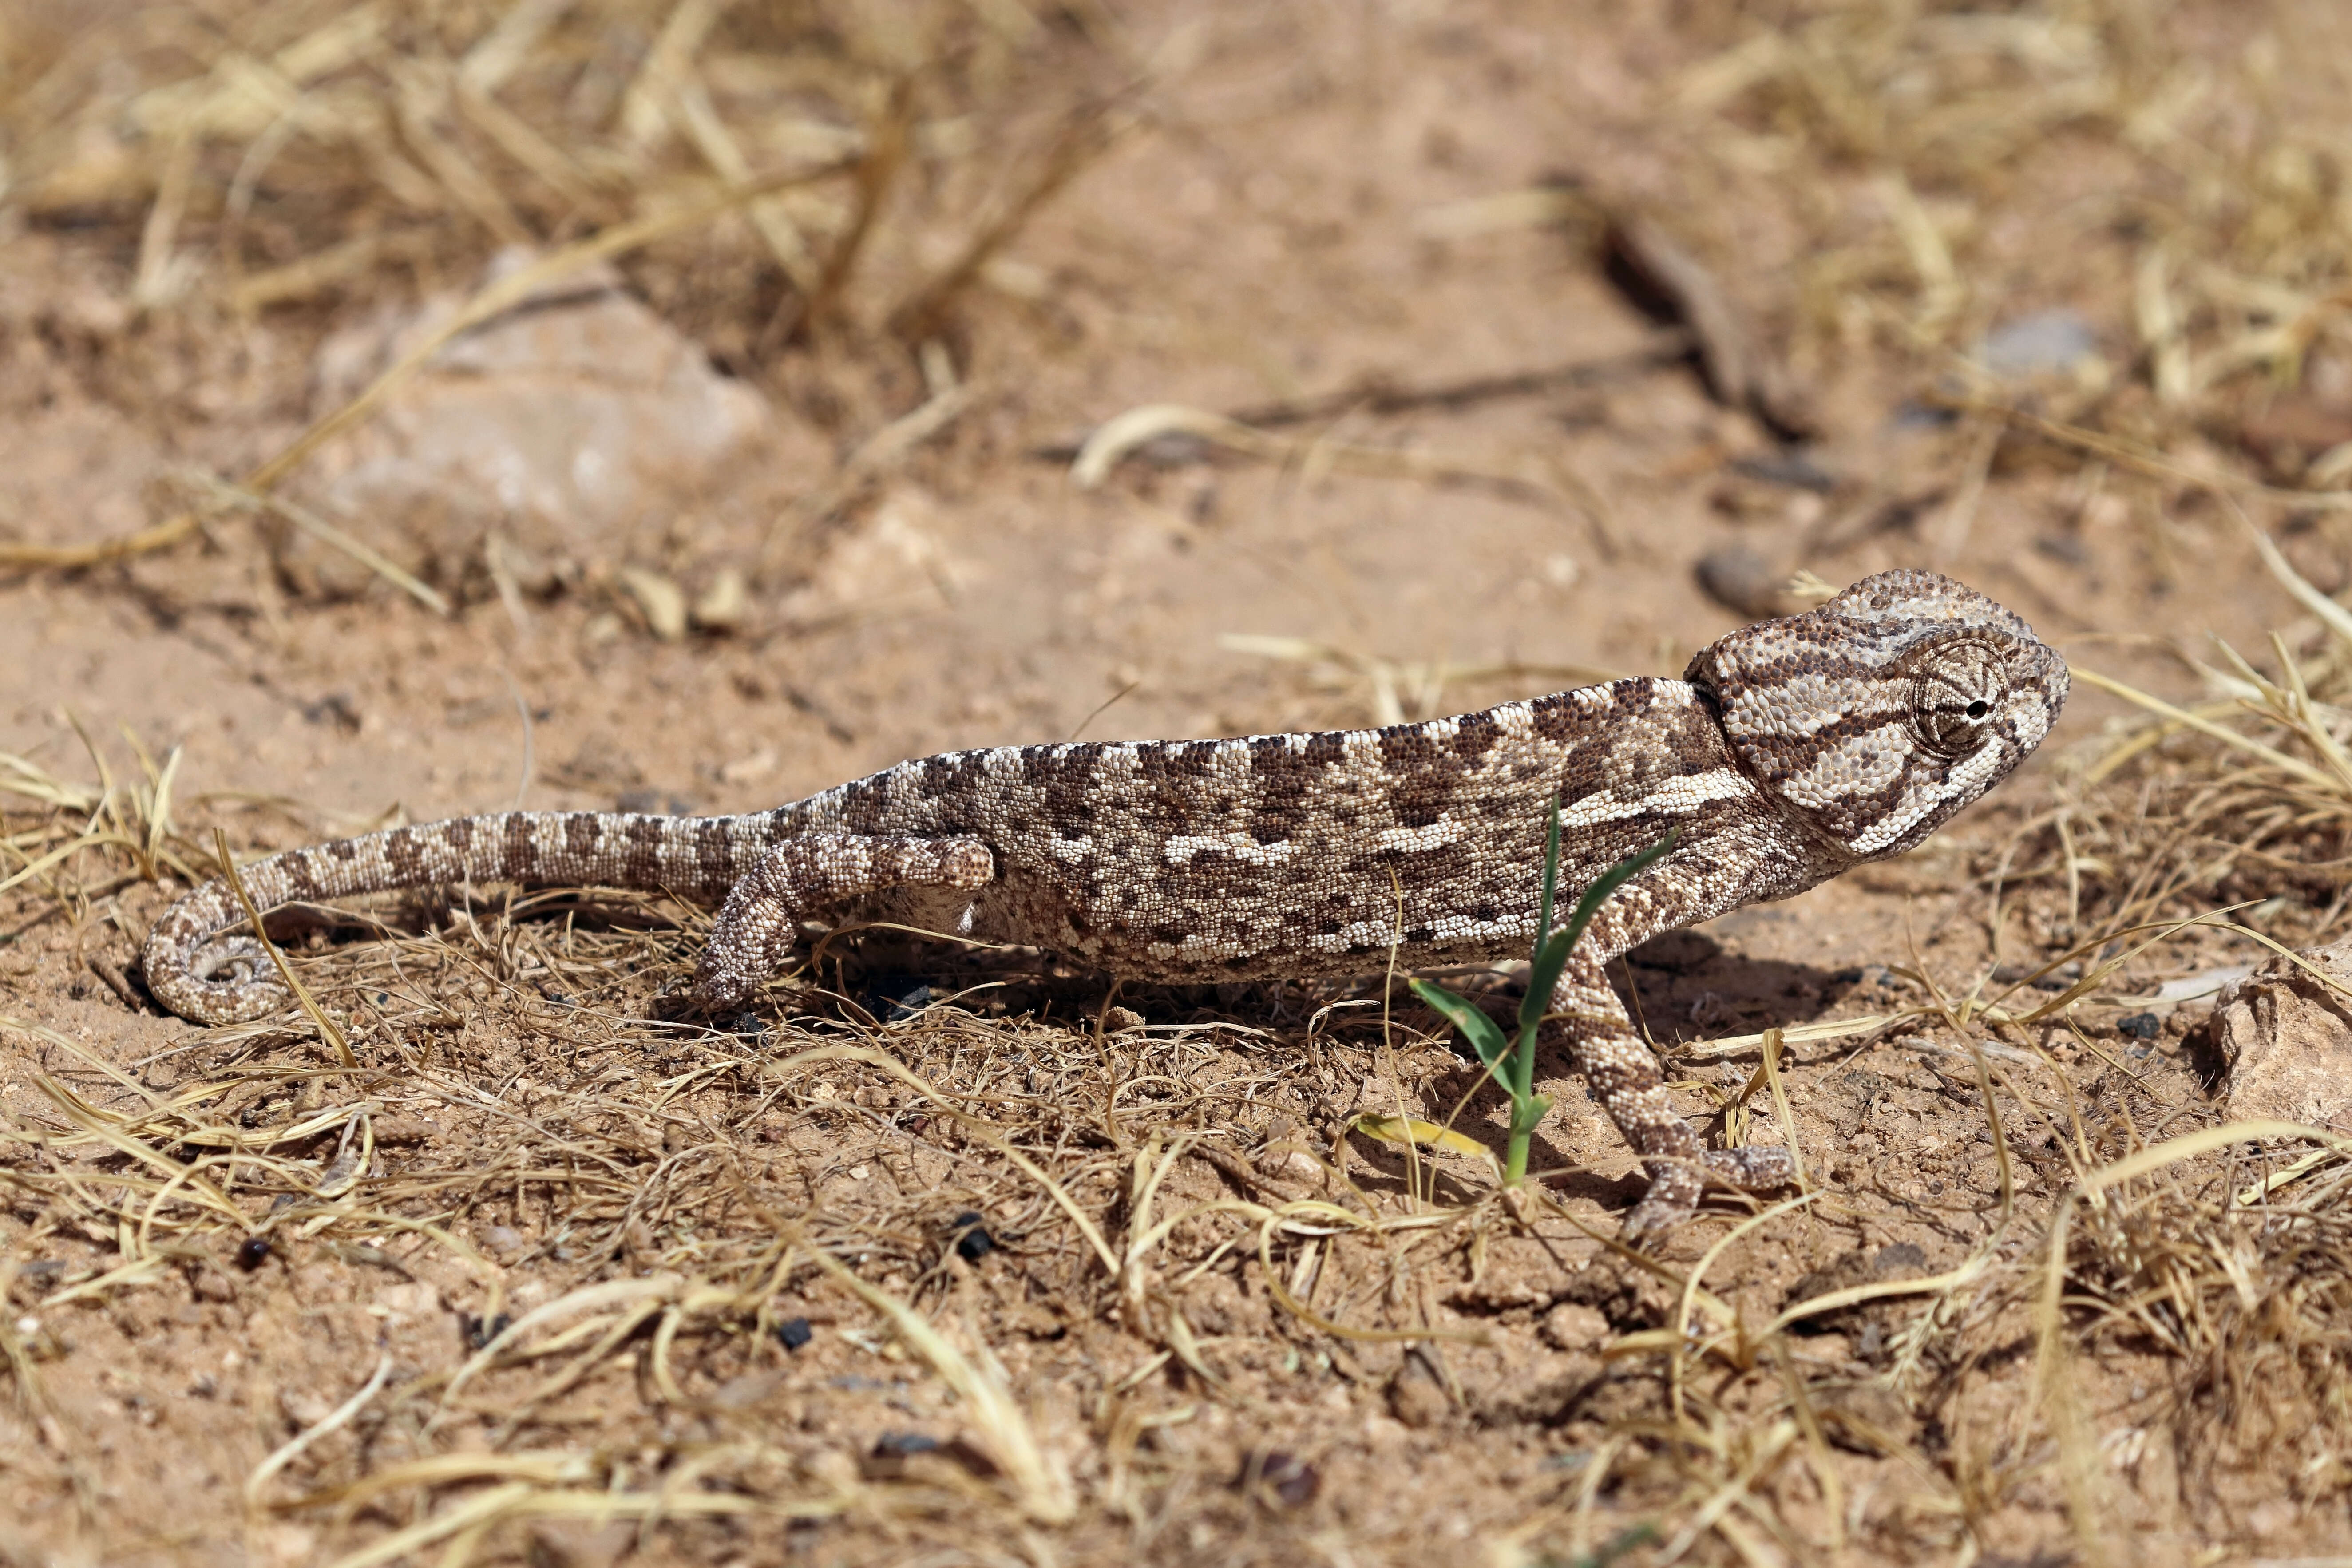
x: 1622, y: 1074
x: 806, y: 872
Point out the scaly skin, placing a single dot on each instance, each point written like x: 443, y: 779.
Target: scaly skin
x: 1791, y: 749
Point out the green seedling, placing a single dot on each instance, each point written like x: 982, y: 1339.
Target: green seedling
x: 1511, y: 1062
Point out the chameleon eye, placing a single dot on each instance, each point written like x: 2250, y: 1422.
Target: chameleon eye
x: 1955, y: 688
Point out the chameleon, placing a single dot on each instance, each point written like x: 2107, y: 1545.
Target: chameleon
x: 1791, y: 751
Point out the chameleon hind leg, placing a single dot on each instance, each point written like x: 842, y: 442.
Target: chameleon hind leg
x: 810, y: 872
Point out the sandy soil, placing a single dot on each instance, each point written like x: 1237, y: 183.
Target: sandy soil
x: 1293, y: 204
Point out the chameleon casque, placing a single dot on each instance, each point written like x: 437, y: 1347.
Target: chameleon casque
x: 1789, y: 751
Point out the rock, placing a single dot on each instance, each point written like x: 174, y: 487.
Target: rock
x: 1415, y: 1398
x: 2284, y: 1038
x: 560, y: 425
x: 661, y: 600
x: 578, y: 1543
x: 1572, y: 1326
x: 1739, y: 579
x: 2044, y: 343
x: 2289, y: 431
x: 725, y: 604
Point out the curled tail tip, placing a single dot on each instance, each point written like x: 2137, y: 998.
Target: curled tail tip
x: 183, y: 964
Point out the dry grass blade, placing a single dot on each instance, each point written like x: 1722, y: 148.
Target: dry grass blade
x: 874, y: 172
x: 221, y: 494
x: 1119, y: 437
x: 2051, y: 1383
x: 2221, y: 733
x: 335, y: 1419
x: 1001, y: 1430
x: 975, y: 1126
x: 328, y: 1032
x: 1087, y: 134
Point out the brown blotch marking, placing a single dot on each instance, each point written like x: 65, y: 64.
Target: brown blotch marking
x: 516, y: 847
x: 1175, y: 759
x: 457, y: 833
x: 1474, y: 735
x: 1407, y: 747
x: 954, y: 773
x: 1219, y: 880
x: 1421, y: 777
x: 714, y: 851
x: 864, y: 803
x: 583, y: 832
x: 344, y: 849
x: 1558, y: 719
x: 299, y: 876
x: 641, y: 842
x: 1283, y: 777
x: 403, y: 854
x: 1064, y: 784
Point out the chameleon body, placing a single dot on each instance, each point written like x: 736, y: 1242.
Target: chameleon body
x: 1791, y: 751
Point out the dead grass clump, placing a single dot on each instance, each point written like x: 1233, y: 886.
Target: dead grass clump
x: 2243, y: 798
x: 815, y: 195
x: 2245, y: 1287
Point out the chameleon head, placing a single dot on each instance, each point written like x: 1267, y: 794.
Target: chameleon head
x: 1873, y: 718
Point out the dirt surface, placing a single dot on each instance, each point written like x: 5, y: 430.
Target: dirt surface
x: 951, y: 1257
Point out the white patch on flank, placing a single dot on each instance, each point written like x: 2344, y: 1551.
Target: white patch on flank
x: 1680, y: 796
x: 1181, y: 847
x: 1443, y: 831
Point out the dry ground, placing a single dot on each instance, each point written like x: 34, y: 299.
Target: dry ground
x: 958, y: 1256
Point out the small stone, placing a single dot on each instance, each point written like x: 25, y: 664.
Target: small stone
x: 577, y: 1543
x: 480, y: 1332
x: 972, y: 1241
x: 1414, y: 1397
x: 1279, y: 1477
x: 1739, y: 579
x: 2044, y: 342
x: 2284, y: 1037
x: 794, y: 1332
x: 661, y: 601
x: 1572, y: 1326
x: 1118, y: 1020
x: 725, y: 604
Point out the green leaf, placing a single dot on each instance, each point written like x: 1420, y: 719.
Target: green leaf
x: 1527, y: 1112
x: 1485, y: 1036
x: 1551, y: 955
